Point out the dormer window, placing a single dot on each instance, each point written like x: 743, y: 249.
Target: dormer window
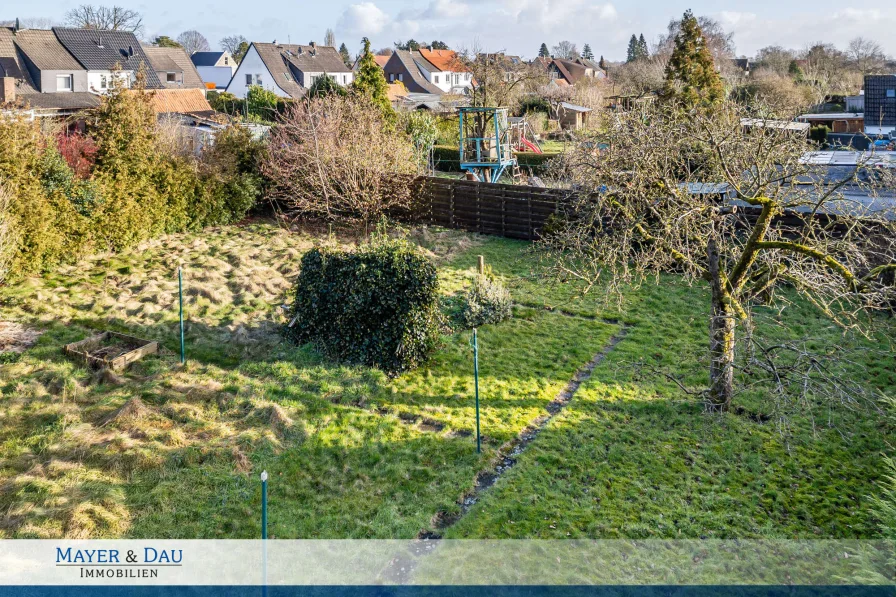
x: 171, y: 77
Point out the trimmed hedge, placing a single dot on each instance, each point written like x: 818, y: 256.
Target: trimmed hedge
x: 376, y: 306
x: 447, y: 159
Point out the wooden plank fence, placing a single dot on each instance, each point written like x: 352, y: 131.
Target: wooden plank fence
x: 511, y: 211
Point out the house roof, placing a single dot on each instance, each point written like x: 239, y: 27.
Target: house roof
x: 396, y: 91
x: 381, y: 60
x: 832, y: 116
x: 284, y: 60
x: 174, y: 60
x: 179, y: 101
x: 43, y: 49
x: 107, y: 50
x: 11, y: 64
x: 443, y: 60
x: 414, y: 64
x: 63, y: 100
x: 574, y: 107
x: 569, y: 70
x: 206, y: 58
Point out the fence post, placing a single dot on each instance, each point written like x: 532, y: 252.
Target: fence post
x: 481, y: 265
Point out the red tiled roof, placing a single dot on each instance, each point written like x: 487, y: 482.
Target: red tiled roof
x: 444, y: 60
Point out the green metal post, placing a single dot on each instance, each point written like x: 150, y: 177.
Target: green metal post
x: 476, y: 382
x: 180, y: 293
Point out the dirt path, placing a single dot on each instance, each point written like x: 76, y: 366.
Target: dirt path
x: 401, y: 568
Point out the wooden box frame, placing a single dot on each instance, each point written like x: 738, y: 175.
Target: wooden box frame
x: 81, y: 351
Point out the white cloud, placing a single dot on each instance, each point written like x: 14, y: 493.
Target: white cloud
x: 365, y: 18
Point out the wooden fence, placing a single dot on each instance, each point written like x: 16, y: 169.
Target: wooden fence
x: 511, y: 211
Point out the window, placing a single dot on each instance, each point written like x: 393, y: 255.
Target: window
x: 400, y: 76
x: 258, y: 79
x: 225, y: 61
x: 171, y: 77
x: 104, y: 83
x: 391, y: 77
x: 248, y: 80
x: 436, y: 80
x: 891, y: 92
x: 63, y: 82
x: 286, y: 75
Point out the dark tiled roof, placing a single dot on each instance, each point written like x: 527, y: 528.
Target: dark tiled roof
x: 44, y: 51
x: 412, y: 62
x: 106, y: 50
x: 569, y: 70
x: 78, y: 100
x: 165, y: 60
x: 206, y: 58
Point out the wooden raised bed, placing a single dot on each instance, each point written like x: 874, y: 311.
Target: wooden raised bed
x: 111, y: 350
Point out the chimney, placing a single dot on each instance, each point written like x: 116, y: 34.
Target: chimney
x: 7, y: 90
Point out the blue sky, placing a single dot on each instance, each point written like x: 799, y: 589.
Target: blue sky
x: 516, y: 26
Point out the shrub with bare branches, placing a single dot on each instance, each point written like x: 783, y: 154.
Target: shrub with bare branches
x: 659, y: 199
x: 337, y: 158
x: 7, y: 239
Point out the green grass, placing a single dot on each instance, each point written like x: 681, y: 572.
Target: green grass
x: 353, y: 453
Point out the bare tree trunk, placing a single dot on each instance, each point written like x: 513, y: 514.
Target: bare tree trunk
x: 721, y: 337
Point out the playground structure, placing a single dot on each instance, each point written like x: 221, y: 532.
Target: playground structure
x: 485, y: 143
x: 522, y: 137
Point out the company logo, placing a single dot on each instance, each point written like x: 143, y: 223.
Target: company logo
x: 119, y: 564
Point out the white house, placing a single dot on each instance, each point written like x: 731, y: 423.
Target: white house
x: 214, y: 67
x: 288, y: 70
x: 108, y: 54
x: 449, y: 73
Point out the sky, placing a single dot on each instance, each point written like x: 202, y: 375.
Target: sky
x: 514, y: 26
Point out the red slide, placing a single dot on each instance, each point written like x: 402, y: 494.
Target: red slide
x: 532, y: 147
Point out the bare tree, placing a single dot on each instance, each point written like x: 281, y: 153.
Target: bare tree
x: 330, y: 38
x: 497, y: 80
x: 193, y: 41
x: 30, y: 23
x: 640, y: 77
x: 566, y: 50
x: 657, y: 200
x: 866, y: 55
x: 338, y: 158
x: 555, y: 95
x: 775, y: 58
x: 231, y: 43
x: 115, y: 18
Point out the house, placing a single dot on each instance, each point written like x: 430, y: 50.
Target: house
x: 174, y: 68
x: 215, y: 68
x: 572, y: 71
x: 512, y: 65
x: 837, y: 122
x: 380, y: 62
x: 39, y: 76
x: 181, y: 101
x: 450, y: 74
x: 107, y: 54
x: 880, y: 104
x: 855, y: 103
x: 288, y: 70
x: 417, y: 73
x: 573, y: 117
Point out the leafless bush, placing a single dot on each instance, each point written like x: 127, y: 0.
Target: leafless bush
x: 658, y: 200
x: 337, y: 158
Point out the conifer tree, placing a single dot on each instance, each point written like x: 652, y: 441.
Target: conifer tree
x: 346, y: 56
x: 543, y: 51
x: 371, y: 81
x: 602, y: 64
x: 587, y: 54
x: 643, y: 50
x: 691, y: 76
x: 632, y: 53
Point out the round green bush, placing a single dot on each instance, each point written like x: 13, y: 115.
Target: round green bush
x: 487, y: 301
x: 376, y: 306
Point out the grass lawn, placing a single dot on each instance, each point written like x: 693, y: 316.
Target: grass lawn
x: 166, y: 451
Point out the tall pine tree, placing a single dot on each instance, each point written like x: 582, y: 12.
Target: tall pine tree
x: 346, y: 57
x: 632, y: 53
x: 587, y: 54
x: 371, y: 81
x: 691, y: 76
x: 643, y: 50
x: 602, y: 64
x: 543, y: 51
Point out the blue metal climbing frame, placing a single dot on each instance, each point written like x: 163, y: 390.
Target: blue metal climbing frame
x: 485, y: 142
